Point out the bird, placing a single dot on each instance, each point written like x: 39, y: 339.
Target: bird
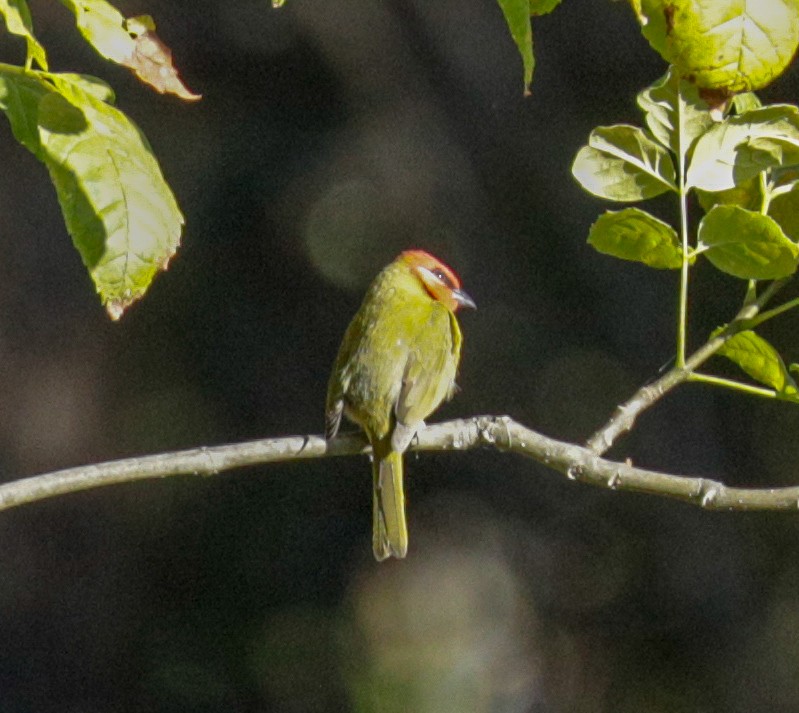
x: 397, y: 363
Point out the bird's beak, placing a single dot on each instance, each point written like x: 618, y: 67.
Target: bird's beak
x: 463, y: 299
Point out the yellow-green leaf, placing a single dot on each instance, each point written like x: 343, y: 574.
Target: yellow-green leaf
x: 623, y: 163
x: 740, y: 147
x: 759, y: 360
x: 118, y: 209
x: 17, y: 17
x: 732, y: 45
x: 633, y: 234
x: 517, y: 17
x: 746, y: 244
x: 675, y: 113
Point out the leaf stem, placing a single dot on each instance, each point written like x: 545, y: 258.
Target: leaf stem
x: 682, y: 318
x: 765, y: 316
x: 732, y: 384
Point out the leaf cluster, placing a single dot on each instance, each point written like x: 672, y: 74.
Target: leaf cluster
x: 742, y: 167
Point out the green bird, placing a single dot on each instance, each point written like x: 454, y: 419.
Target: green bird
x: 396, y: 364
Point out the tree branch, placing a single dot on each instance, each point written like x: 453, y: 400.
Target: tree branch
x: 624, y: 417
x: 576, y: 462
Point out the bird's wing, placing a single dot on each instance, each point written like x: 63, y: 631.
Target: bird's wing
x: 333, y: 418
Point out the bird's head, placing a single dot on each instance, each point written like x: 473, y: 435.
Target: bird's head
x: 440, y: 281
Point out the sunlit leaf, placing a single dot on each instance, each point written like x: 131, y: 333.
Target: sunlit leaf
x: 734, y: 46
x: 746, y: 195
x: 623, y: 163
x: 152, y: 60
x: 748, y: 101
x: 784, y: 208
x: 103, y: 27
x: 129, y: 42
x: 675, y: 113
x: 120, y: 212
x: 740, y: 147
x: 17, y: 17
x: 746, y: 244
x: 760, y: 360
x: 19, y: 100
x: 118, y: 209
x: 633, y: 234
x: 85, y: 82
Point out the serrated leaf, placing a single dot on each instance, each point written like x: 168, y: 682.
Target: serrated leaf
x: 17, y: 17
x: 633, y: 234
x: 755, y: 356
x: 623, y: 163
x: 746, y: 244
x: 517, y: 17
x: 732, y: 46
x: 675, y: 113
x: 120, y: 212
x: 130, y: 42
x: 740, y: 147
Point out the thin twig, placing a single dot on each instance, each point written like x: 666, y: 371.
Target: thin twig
x: 500, y: 432
x: 625, y: 415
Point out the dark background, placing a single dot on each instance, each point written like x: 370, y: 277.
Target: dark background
x: 331, y: 135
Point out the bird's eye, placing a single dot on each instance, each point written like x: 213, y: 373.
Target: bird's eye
x: 443, y: 277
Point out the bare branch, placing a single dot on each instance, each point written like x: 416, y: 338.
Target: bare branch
x: 624, y: 417
x: 502, y: 433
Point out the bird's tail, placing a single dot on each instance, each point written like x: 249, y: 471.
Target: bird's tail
x: 390, y: 531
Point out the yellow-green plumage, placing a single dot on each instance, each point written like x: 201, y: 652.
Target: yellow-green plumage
x: 396, y: 364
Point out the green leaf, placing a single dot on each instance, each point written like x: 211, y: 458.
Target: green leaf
x: 91, y: 85
x: 734, y: 46
x: 633, y: 234
x: 120, y: 212
x: 623, y: 163
x: 517, y: 17
x: 745, y: 244
x: 17, y: 17
x: 748, y: 101
x: 103, y: 27
x: 746, y: 195
x: 740, y: 147
x: 784, y: 208
x: 543, y: 7
x: 20, y: 95
x: 675, y: 113
x: 760, y: 360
